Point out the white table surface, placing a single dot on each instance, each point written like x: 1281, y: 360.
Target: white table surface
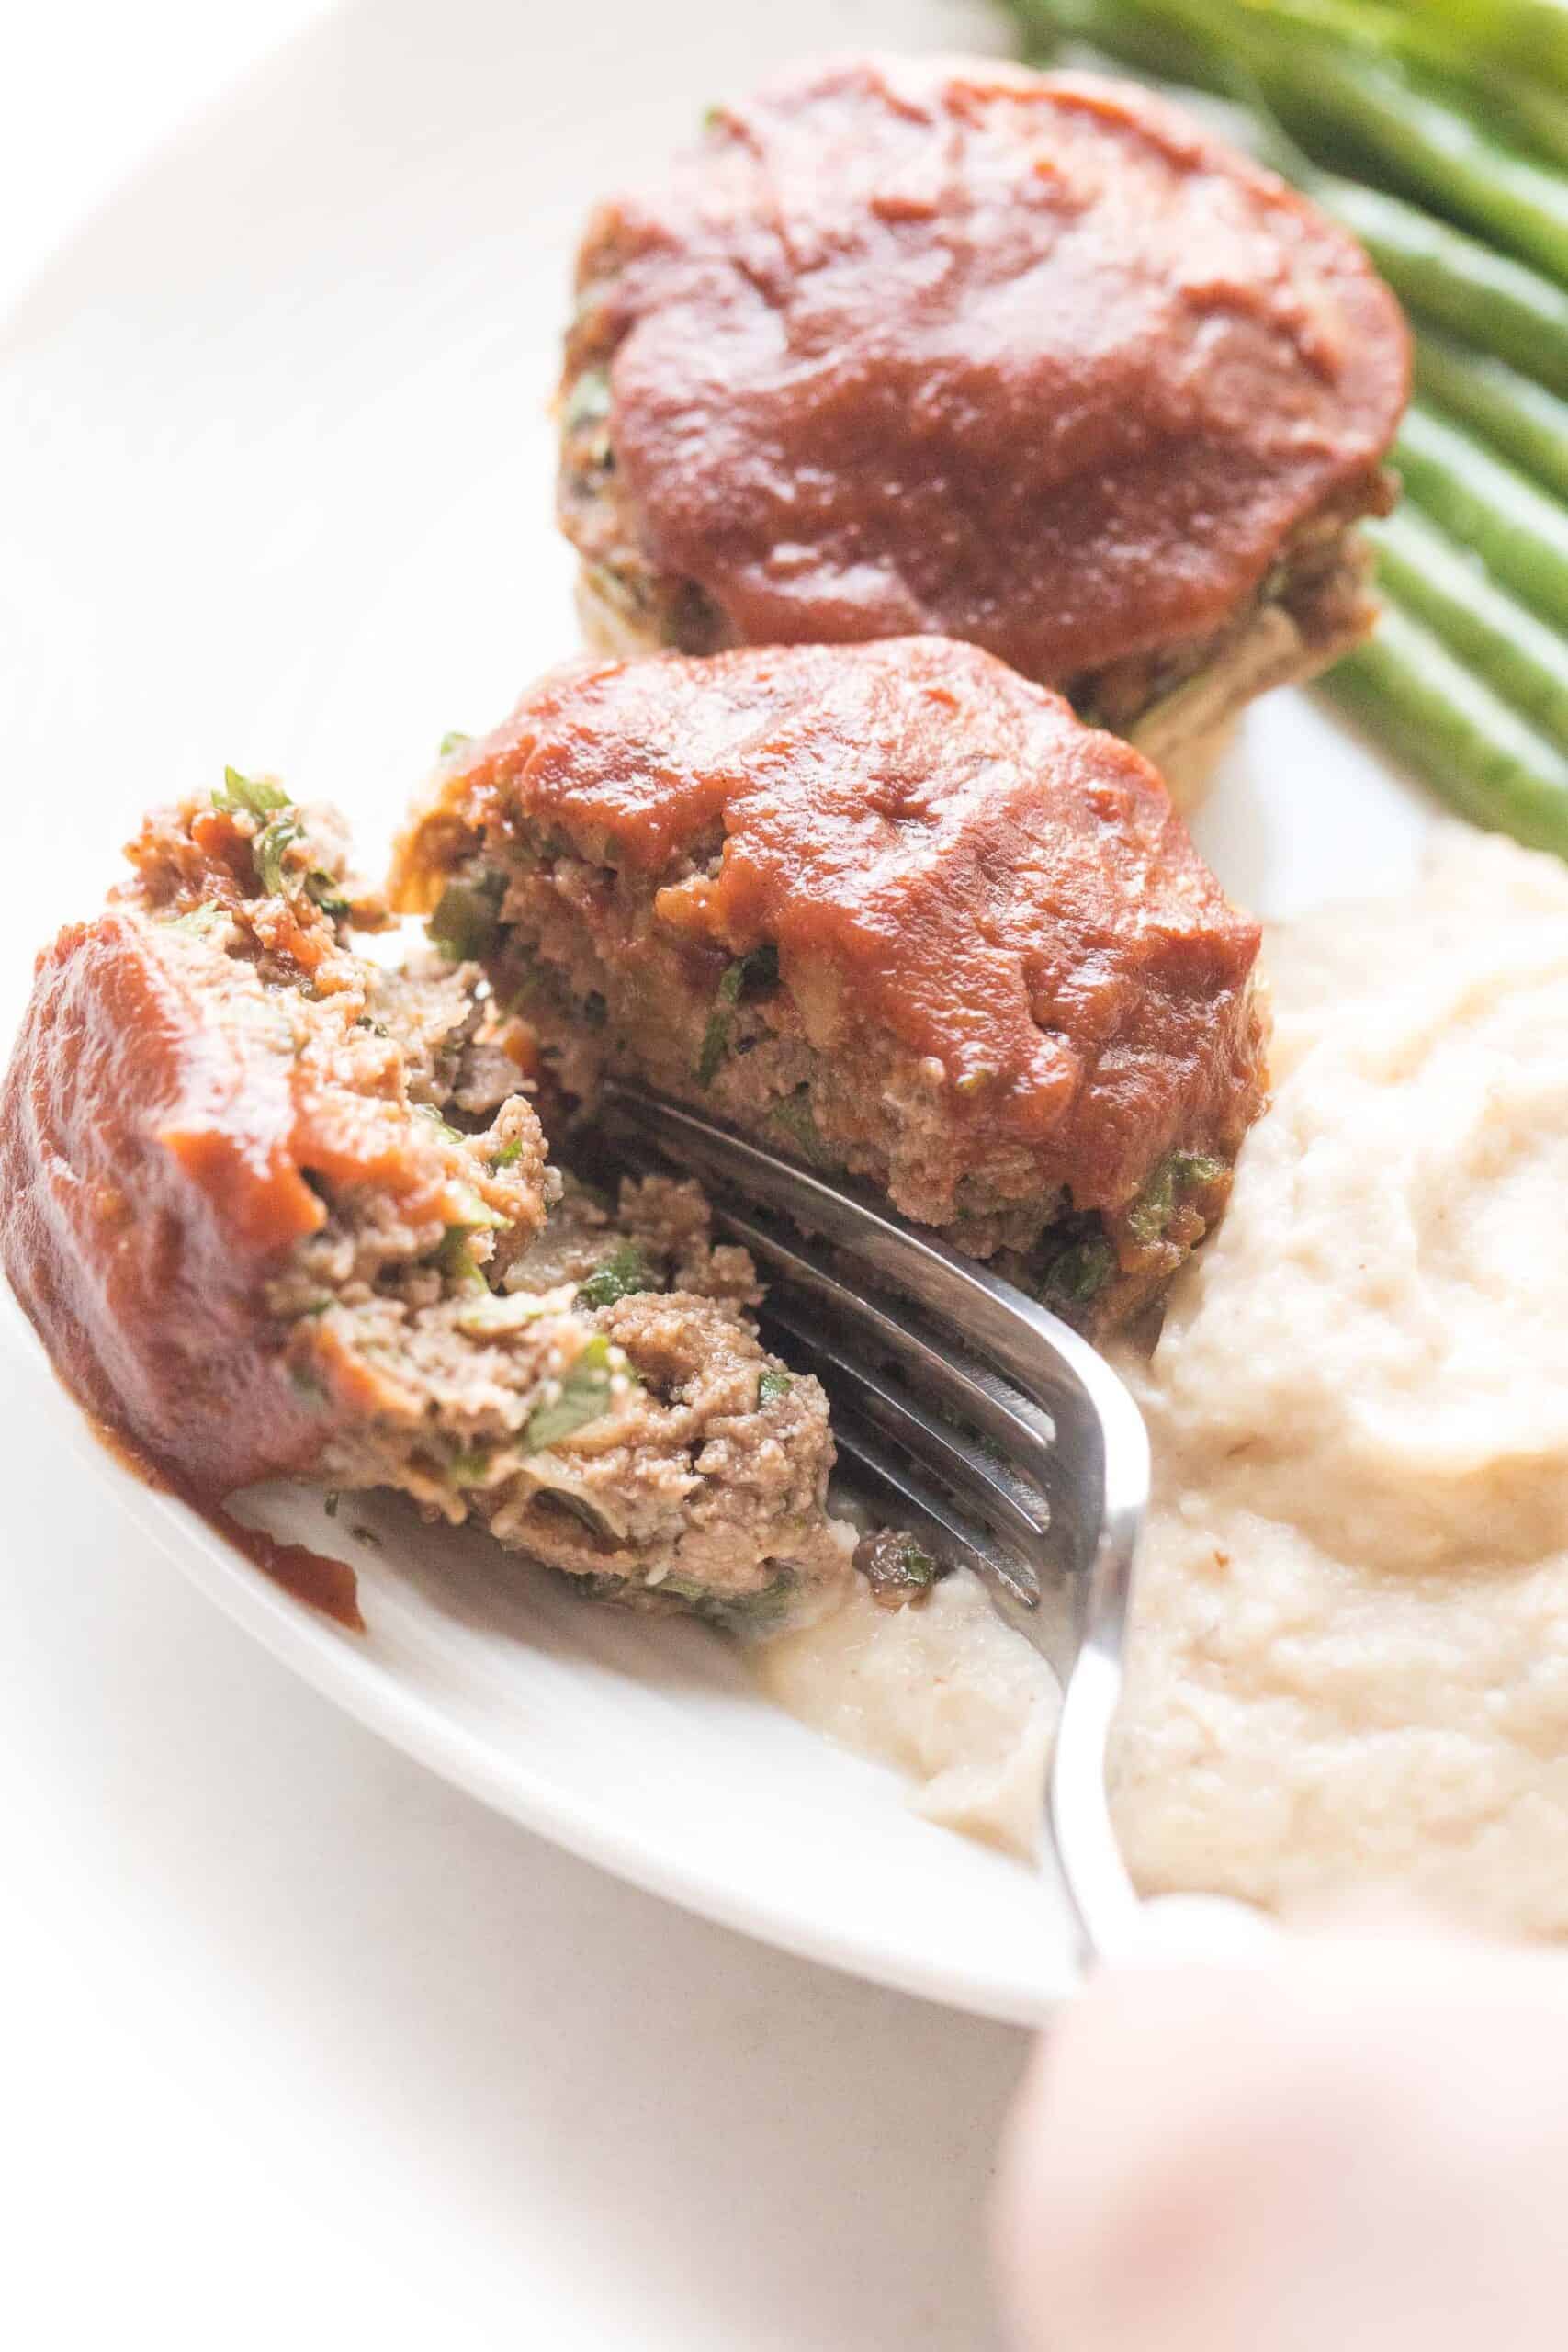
x: 299, y: 2045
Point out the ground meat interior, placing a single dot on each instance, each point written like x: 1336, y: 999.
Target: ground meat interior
x: 346, y: 1195
x: 989, y: 974
x: 602, y: 1403
x: 1163, y: 537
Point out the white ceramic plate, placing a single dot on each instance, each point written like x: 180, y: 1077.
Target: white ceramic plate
x: 276, y: 491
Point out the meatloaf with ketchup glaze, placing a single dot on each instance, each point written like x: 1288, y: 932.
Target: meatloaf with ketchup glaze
x: 277, y: 1211
x: 891, y: 907
x: 908, y: 344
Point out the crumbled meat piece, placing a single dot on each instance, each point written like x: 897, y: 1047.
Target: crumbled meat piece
x: 273, y: 1214
x: 892, y: 909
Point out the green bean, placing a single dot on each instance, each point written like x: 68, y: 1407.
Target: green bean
x: 1427, y: 135
x: 1529, y: 35
x: 1411, y: 692
x: 1126, y: 32
x: 1471, y: 686
x: 1523, y: 419
x: 1187, y: 40
x: 1449, y: 277
x: 1382, y: 31
x: 1439, y: 146
x: 1520, y: 533
x: 1536, y: 116
x: 1520, y: 657
x: 1422, y: 135
x: 1446, y: 65
x: 1437, y: 270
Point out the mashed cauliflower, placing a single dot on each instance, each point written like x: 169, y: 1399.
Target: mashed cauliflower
x: 1349, y: 1657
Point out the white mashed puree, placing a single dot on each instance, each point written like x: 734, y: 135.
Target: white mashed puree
x: 1349, y: 1660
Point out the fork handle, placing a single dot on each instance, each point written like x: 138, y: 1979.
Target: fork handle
x: 1115, y: 1924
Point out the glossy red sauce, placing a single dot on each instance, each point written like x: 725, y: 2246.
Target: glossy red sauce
x: 1003, y: 888
x: 151, y: 1172
x: 937, y: 344
x: 314, y: 1578
x: 158, y: 1143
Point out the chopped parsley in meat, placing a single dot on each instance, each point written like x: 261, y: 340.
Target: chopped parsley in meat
x: 748, y: 974
x: 585, y: 1397
x: 625, y: 1272
x: 1176, y: 1172
x: 259, y: 796
x: 772, y: 883
x: 898, y: 1569
x: 268, y: 850
x: 1080, y: 1271
x: 464, y: 925
x: 354, y: 1266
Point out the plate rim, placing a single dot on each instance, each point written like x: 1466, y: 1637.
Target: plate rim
x: 323, y: 1654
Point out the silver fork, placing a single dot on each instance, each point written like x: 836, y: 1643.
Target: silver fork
x: 1001, y: 1437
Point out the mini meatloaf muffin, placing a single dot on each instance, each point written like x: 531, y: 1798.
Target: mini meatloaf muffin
x: 943, y: 345
x: 276, y: 1210
x: 890, y: 906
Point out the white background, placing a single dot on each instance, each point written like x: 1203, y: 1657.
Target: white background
x: 300, y: 2045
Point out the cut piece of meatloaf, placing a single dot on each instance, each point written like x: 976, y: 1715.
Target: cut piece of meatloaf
x: 889, y: 906
x: 275, y: 1210
x: 942, y: 343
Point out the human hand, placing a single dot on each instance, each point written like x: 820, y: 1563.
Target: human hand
x: 1354, y: 2141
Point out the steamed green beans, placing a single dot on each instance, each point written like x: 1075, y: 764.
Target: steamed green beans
x: 1127, y: 31
x: 1463, y: 738
x: 1437, y: 270
x: 1335, y: 94
x: 1529, y: 36
x: 1520, y: 533
x: 1467, y: 673
x: 1428, y: 144
x: 1440, y: 273
x: 1444, y: 64
x: 1522, y: 658
x: 1523, y: 419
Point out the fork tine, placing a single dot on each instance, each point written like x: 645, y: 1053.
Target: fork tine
x: 932, y: 1516
x: 984, y: 1486
x: 1096, y: 1420
x: 1097, y: 1475
x: 963, y: 1388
